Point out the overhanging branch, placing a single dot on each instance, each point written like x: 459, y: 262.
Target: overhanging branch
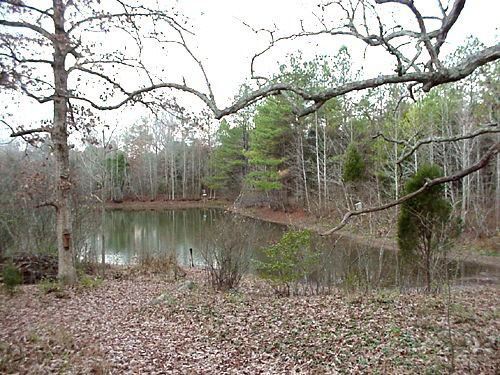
x: 487, y: 157
x: 488, y: 129
x: 25, y: 25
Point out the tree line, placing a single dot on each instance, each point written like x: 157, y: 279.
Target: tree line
x: 50, y: 54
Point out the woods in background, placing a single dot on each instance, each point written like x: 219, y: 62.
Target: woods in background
x: 356, y: 150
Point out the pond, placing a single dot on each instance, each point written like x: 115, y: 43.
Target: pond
x: 133, y: 235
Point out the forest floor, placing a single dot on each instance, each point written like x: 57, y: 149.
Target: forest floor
x: 139, y: 324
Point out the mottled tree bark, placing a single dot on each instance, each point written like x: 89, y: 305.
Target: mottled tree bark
x: 59, y: 135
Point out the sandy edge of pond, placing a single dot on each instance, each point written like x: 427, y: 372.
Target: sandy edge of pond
x: 299, y: 219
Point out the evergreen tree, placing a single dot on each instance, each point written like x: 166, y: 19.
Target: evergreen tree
x: 228, y: 160
x: 354, y: 165
x: 268, y: 142
x: 422, y: 220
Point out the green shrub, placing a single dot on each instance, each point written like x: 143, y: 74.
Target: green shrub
x: 47, y: 286
x: 11, y: 277
x: 354, y: 165
x: 288, y: 261
x: 424, y: 221
x: 90, y: 282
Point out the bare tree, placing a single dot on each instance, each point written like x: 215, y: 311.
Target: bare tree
x: 416, y: 54
x: 38, y: 41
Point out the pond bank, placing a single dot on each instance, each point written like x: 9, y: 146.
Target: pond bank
x: 167, y: 204
x: 303, y: 220
x: 148, y: 324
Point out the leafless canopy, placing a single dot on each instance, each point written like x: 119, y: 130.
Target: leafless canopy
x: 416, y: 52
x: 26, y: 31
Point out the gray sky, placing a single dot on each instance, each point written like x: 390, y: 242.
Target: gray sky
x: 226, y: 45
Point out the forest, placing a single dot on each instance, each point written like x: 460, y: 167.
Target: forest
x: 324, y: 219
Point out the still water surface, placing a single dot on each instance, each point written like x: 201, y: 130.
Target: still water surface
x: 130, y: 235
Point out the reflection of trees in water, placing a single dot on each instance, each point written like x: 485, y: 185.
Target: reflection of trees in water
x: 132, y: 234
x: 151, y: 233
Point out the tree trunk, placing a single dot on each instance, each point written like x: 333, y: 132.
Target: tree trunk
x: 317, y: 162
x: 184, y: 179
x: 59, y: 134
x: 304, y: 175
x: 151, y: 183
x: 172, y: 174
x: 165, y: 166
x: 497, y: 189
x: 325, y: 187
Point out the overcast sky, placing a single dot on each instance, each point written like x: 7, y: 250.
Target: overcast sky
x: 226, y: 45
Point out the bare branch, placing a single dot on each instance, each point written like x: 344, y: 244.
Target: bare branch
x: 133, y: 96
x: 21, y: 133
x: 487, y: 129
x: 207, y: 82
x: 100, y: 75
x: 448, y: 22
x: 127, y: 15
x: 390, y: 140
x: 423, y: 30
x: 427, y: 79
x: 26, y: 61
x: 487, y: 157
x: 19, y: 4
x: 24, y: 133
x: 25, y: 25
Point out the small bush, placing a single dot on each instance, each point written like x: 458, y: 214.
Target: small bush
x: 227, y: 250
x: 90, y: 282
x: 161, y: 264
x: 47, y: 286
x: 288, y: 261
x: 11, y: 277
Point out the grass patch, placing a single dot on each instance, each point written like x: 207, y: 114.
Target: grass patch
x: 47, y: 286
x: 90, y: 282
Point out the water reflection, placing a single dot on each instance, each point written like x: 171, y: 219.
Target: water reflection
x: 133, y: 235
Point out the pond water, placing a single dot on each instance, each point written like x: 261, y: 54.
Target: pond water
x: 132, y: 235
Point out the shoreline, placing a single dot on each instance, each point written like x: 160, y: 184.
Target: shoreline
x: 167, y: 204
x: 300, y: 220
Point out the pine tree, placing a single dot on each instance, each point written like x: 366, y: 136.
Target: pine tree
x: 268, y: 142
x: 422, y: 220
x: 228, y: 159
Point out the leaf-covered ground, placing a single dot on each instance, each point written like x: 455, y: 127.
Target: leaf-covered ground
x: 151, y: 325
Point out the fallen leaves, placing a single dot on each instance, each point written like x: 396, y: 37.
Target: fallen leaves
x: 151, y: 325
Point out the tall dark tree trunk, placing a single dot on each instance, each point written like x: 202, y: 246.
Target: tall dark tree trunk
x: 428, y: 263
x: 59, y: 134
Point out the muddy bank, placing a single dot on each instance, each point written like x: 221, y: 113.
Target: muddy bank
x: 167, y: 204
